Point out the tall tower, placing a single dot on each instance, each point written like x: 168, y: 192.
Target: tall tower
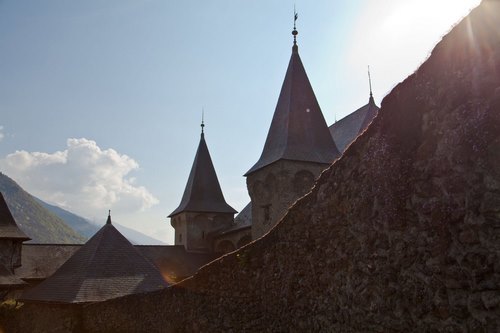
x: 203, y: 210
x: 297, y: 149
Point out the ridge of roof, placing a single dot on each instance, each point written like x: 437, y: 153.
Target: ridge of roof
x: 203, y: 192
x: 298, y: 130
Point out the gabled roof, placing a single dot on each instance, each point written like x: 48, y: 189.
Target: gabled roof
x: 203, y: 192
x: 298, y: 130
x: 348, y: 128
x: 8, y: 226
x: 107, y: 266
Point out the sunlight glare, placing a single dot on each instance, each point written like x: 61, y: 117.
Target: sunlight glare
x: 395, y: 37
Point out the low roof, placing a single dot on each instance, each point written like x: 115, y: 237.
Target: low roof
x: 42, y: 260
x: 8, y: 226
x: 107, y: 266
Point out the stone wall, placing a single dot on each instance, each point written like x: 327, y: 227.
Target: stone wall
x: 402, y: 234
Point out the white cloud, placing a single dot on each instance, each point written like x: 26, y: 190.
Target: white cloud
x: 83, y: 178
x: 1, y: 133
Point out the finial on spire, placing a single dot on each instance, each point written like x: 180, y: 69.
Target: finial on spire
x: 370, y: 81
x: 371, y: 101
x: 109, y: 217
x: 202, y: 120
x: 295, y: 32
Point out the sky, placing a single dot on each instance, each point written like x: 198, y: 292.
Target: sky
x: 101, y: 101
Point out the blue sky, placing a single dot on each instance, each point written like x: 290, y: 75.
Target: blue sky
x: 100, y: 101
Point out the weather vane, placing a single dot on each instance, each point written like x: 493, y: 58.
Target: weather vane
x: 202, y: 119
x: 295, y: 32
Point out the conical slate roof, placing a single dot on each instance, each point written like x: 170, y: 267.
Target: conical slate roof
x: 348, y: 128
x: 203, y: 192
x: 298, y: 130
x: 107, y: 266
x: 8, y: 226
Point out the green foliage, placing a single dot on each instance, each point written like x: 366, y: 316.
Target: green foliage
x: 8, y: 308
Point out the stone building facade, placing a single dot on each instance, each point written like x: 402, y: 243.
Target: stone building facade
x: 276, y: 187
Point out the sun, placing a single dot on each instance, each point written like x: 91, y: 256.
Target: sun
x: 395, y: 37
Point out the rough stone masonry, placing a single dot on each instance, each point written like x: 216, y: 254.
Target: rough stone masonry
x: 401, y: 234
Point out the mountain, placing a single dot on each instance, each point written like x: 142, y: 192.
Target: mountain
x: 136, y: 237
x: 78, y: 223
x: 88, y: 229
x: 41, y: 225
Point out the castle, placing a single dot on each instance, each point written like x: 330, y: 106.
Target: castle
x: 299, y: 146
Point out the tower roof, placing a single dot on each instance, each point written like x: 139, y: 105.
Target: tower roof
x: 8, y: 226
x: 107, y: 266
x: 348, y: 128
x: 203, y: 192
x: 298, y: 130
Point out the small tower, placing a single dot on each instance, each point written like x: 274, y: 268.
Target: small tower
x: 297, y: 149
x: 11, y: 238
x: 203, y: 210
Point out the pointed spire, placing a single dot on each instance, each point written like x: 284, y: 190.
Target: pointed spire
x: 371, y: 101
x: 295, y: 32
x: 108, y: 221
x: 203, y: 192
x: 298, y: 131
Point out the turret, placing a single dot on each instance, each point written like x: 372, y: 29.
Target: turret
x: 297, y: 149
x: 203, y: 210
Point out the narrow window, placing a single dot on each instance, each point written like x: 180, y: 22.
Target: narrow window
x: 267, y: 214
